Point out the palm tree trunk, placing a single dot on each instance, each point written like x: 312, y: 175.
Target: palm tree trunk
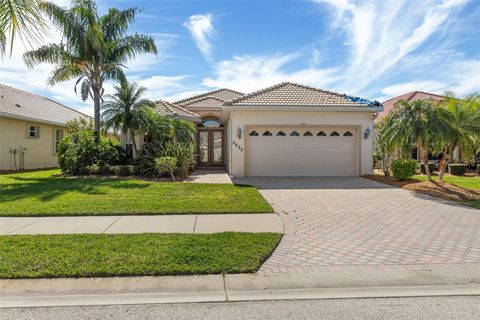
x: 444, y: 162
x: 134, y: 143
x: 96, y: 111
x: 424, y: 156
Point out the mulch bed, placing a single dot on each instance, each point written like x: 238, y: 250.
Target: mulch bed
x: 439, y: 189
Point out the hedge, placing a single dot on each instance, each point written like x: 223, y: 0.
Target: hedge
x: 431, y: 165
x: 457, y: 169
x: 403, y: 169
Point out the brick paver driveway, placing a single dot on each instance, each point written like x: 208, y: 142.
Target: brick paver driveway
x: 355, y: 222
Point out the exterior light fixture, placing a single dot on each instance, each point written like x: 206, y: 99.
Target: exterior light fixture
x: 239, y: 133
x: 366, y: 134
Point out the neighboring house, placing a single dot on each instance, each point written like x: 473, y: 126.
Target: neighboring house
x: 411, y: 96
x: 389, y: 104
x: 285, y: 130
x: 31, y: 127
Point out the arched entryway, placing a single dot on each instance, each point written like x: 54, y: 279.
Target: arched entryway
x: 210, y: 142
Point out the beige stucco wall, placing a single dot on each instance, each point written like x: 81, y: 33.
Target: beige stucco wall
x: 39, y: 152
x: 244, y: 118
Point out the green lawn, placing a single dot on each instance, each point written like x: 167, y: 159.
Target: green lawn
x: 467, y: 182
x: 45, y: 256
x: 41, y: 194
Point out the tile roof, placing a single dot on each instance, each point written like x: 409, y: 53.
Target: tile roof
x: 19, y: 103
x: 411, y: 96
x: 222, y: 94
x: 292, y: 94
x: 208, y: 102
x: 168, y: 109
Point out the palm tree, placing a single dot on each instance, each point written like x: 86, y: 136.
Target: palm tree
x: 127, y: 111
x: 466, y: 124
x: 94, y: 48
x: 419, y: 123
x: 22, y: 18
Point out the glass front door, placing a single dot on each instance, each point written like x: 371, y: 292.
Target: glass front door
x: 210, y: 147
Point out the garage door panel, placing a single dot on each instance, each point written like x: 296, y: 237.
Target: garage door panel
x: 301, y: 155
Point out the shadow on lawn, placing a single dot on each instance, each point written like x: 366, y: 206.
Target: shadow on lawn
x: 47, y: 189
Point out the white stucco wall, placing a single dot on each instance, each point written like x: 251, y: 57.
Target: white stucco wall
x: 244, y: 118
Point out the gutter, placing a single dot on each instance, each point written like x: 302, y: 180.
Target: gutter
x: 32, y: 119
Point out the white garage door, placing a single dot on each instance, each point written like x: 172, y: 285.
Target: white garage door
x: 301, y: 151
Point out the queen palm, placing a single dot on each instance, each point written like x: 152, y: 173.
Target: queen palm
x: 20, y: 18
x: 466, y: 124
x: 94, y: 48
x: 418, y: 123
x: 127, y: 111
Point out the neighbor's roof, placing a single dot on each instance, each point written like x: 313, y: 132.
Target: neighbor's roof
x: 292, y: 94
x: 21, y: 104
x: 411, y: 96
x: 222, y: 94
x: 208, y: 102
x: 168, y: 109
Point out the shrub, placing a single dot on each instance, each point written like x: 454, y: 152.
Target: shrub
x: 431, y: 165
x: 166, y: 165
x: 403, y: 169
x: 79, y: 150
x: 92, y: 169
x: 181, y: 151
x: 457, y: 169
x: 105, y: 169
x: 125, y: 170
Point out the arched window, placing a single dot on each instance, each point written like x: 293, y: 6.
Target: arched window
x: 321, y: 134
x: 307, y: 134
x: 348, y: 134
x: 281, y: 134
x: 253, y: 134
x: 267, y: 134
x: 294, y: 134
x: 210, y: 123
x: 334, y: 134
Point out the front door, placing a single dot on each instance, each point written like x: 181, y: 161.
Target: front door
x: 210, y: 147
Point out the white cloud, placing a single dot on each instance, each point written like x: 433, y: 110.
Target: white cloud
x: 401, y: 88
x: 202, y: 31
x: 249, y: 73
x: 315, y: 58
x: 161, y: 87
x: 381, y: 33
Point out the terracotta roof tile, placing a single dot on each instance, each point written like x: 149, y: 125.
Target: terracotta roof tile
x: 292, y: 94
x: 168, y: 109
x: 208, y: 102
x: 21, y: 103
x: 410, y: 96
x: 222, y: 94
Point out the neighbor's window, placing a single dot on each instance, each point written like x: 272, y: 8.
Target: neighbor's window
x: 58, y: 138
x: 33, y: 132
x: 145, y: 138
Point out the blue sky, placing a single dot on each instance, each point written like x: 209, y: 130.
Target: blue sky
x: 373, y: 49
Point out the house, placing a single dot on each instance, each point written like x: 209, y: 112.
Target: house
x: 284, y: 130
x: 31, y: 127
x: 411, y: 96
x: 389, y: 104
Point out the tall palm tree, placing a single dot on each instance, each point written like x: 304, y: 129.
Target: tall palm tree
x: 419, y: 123
x: 466, y: 124
x: 128, y: 111
x: 22, y: 18
x: 94, y: 48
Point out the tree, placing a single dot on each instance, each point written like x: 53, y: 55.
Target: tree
x: 22, y: 18
x: 127, y: 111
x: 94, y: 48
x: 419, y: 123
x: 466, y: 128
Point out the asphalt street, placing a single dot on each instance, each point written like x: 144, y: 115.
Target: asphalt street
x: 438, y: 308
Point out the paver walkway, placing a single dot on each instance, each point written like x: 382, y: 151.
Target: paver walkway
x: 345, y: 223
x: 204, y: 223
x: 209, y: 176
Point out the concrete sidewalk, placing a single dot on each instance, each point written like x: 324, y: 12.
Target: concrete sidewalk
x: 361, y: 283
x: 202, y: 223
